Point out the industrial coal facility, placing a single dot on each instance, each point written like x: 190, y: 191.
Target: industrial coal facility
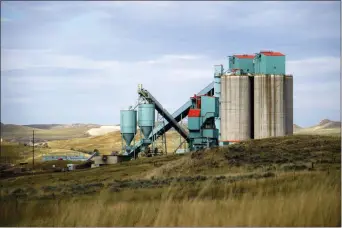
x: 252, y: 99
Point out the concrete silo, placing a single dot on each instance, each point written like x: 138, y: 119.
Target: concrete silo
x: 289, y: 104
x: 273, y: 96
x: 273, y: 106
x: 236, y: 109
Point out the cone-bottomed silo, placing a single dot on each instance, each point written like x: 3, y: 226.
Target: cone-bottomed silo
x: 128, y: 127
x: 146, y: 119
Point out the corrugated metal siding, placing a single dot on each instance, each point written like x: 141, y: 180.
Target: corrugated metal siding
x: 269, y: 64
x: 245, y: 64
x: 209, y: 107
x: 275, y: 65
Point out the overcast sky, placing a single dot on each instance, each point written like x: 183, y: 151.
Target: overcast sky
x: 81, y: 62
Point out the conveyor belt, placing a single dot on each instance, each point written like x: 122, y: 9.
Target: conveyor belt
x: 170, y: 121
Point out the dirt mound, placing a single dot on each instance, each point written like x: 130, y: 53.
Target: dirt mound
x: 103, y: 130
x: 323, y: 122
x: 332, y: 124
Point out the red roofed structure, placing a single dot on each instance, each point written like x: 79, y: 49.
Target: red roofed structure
x: 245, y: 56
x: 271, y: 53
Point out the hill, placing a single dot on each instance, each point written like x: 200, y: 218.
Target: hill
x: 108, y: 142
x: 102, y: 130
x: 111, y: 142
x: 324, y: 127
x: 54, y: 126
x: 15, y: 153
x: 218, y: 187
x: 324, y: 124
x: 44, y: 132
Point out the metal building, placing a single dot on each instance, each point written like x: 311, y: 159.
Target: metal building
x: 273, y: 105
x: 217, y: 93
x: 242, y: 63
x: 201, y: 122
x: 236, y: 109
x: 269, y: 62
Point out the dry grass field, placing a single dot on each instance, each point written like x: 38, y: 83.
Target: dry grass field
x: 111, y: 142
x: 285, y: 181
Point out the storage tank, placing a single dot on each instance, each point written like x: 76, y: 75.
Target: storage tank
x: 146, y: 117
x: 128, y: 125
x: 273, y: 106
x: 236, y: 111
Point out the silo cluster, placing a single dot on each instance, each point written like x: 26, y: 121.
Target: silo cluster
x: 256, y: 98
x: 128, y: 124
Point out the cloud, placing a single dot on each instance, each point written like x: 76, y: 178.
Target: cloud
x: 316, y: 88
x: 25, y: 59
x: 89, y: 56
x: 180, y: 74
x: 319, y: 67
x: 3, y: 19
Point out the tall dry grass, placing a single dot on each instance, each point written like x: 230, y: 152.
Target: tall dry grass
x: 311, y: 199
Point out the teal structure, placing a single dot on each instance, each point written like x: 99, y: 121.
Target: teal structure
x: 128, y: 126
x: 201, y: 123
x: 209, y: 108
x: 269, y: 63
x: 242, y: 62
x: 146, y: 117
x: 218, y: 71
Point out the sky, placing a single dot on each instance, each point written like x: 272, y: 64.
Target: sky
x: 81, y: 62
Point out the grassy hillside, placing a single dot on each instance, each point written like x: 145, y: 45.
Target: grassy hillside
x: 325, y: 127
x: 43, y: 126
x: 111, y: 142
x: 15, y: 153
x: 54, y: 126
x: 24, y: 133
x: 237, y: 185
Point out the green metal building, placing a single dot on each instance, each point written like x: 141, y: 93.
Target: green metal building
x: 241, y: 63
x: 269, y: 62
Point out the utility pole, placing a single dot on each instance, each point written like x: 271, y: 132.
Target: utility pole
x: 33, y: 150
